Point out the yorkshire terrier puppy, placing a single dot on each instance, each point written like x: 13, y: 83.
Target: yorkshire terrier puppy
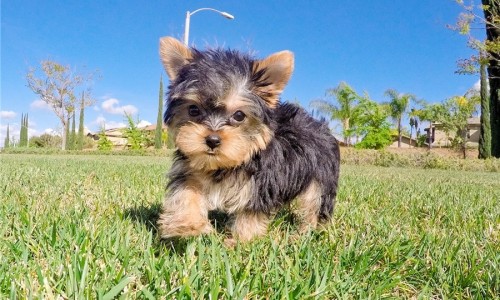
x: 239, y: 149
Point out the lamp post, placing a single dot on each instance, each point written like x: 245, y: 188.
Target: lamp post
x: 188, y: 18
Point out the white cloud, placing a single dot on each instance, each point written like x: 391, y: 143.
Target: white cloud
x: 143, y: 123
x: 477, y: 86
x: 113, y: 124
x: 7, y: 114
x: 52, y: 132
x: 31, y: 123
x: 102, y: 122
x: 32, y: 132
x: 39, y: 104
x: 112, y: 106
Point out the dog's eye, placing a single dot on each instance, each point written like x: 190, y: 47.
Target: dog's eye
x: 193, y: 110
x: 239, y: 116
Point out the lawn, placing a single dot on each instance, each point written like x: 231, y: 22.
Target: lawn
x: 84, y: 227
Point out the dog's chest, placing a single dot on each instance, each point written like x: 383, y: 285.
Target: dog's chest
x: 230, y: 194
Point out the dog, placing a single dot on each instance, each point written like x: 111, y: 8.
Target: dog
x: 240, y: 150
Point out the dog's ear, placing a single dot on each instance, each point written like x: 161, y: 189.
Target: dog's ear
x: 271, y: 75
x: 174, y: 55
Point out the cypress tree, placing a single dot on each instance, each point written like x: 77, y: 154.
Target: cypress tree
x: 159, y: 119
x: 6, y: 144
x: 23, y: 134
x: 491, y: 11
x: 79, y: 144
x: 485, y: 132
x: 25, y: 140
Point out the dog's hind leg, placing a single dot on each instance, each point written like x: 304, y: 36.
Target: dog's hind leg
x: 308, y: 206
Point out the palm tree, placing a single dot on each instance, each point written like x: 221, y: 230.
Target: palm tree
x: 398, y: 106
x: 343, y: 110
x: 414, y: 122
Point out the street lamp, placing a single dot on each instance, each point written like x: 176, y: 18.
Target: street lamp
x: 188, y: 18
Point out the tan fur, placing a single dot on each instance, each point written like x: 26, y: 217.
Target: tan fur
x: 230, y: 195
x: 248, y: 225
x: 185, y: 211
x: 278, y: 69
x: 174, y: 55
x: 184, y: 214
x: 234, y: 100
x: 236, y: 146
x: 190, y: 94
x: 308, y: 204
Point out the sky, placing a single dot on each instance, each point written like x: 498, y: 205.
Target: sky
x: 371, y: 45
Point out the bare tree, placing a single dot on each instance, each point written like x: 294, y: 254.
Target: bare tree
x: 56, y: 85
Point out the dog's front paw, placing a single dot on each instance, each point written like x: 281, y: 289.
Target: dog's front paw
x: 230, y: 242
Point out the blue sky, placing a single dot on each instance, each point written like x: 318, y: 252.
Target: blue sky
x: 372, y: 45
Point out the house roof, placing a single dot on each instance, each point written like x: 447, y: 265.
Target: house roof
x: 470, y: 121
x: 474, y: 121
x: 153, y: 127
x: 403, y: 137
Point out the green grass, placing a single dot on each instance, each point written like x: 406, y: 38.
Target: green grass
x: 83, y: 227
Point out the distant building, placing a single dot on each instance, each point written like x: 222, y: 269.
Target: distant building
x: 115, y: 135
x: 406, y: 142
x: 118, y: 138
x: 440, y: 139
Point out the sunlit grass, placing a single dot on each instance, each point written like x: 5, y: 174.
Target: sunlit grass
x: 84, y: 227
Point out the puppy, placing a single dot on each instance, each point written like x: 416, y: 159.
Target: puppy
x: 239, y: 149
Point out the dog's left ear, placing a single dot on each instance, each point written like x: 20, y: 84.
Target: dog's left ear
x: 271, y: 75
x: 174, y: 55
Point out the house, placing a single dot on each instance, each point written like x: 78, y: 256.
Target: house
x: 118, y: 138
x: 152, y: 127
x: 115, y: 135
x: 406, y: 142
x: 441, y: 139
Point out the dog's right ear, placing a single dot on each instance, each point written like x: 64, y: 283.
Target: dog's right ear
x: 174, y: 55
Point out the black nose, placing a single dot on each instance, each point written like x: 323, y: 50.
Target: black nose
x: 213, y: 141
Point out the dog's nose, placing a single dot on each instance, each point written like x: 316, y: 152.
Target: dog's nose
x: 213, y: 141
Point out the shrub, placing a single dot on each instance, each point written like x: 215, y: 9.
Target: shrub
x: 104, y: 144
x: 46, y: 141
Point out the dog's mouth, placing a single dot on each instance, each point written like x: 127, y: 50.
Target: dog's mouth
x: 211, y: 152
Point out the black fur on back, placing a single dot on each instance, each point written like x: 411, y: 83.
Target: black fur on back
x: 302, y: 150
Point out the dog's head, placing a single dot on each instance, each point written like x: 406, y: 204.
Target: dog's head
x: 220, y: 102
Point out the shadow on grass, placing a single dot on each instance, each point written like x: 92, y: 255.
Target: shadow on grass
x: 145, y: 215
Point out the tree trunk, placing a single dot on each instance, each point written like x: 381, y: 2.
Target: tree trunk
x: 463, y: 132
x: 429, y: 136
x: 485, y: 131
x: 492, y: 34
x: 65, y: 134
x: 399, y: 132
x: 347, y: 139
x: 81, y: 126
x: 411, y: 133
x: 159, y: 119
